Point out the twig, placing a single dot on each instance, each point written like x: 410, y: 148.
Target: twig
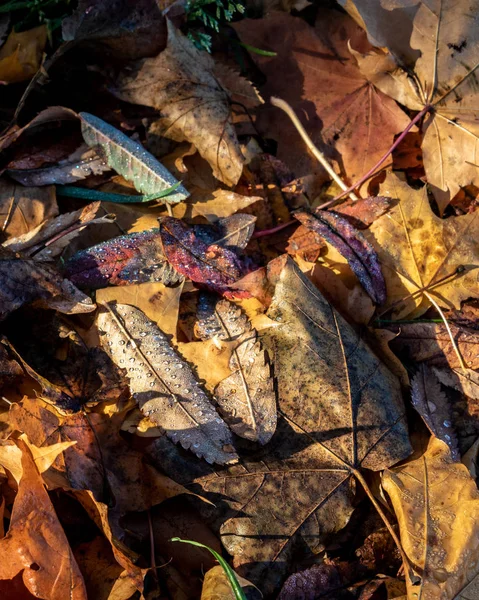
x: 311, y: 147
x: 265, y: 232
x: 372, y: 170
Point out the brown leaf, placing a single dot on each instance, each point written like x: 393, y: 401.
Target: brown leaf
x: 431, y: 343
x: 21, y: 55
x: 437, y: 505
x: 341, y: 410
x: 23, y: 281
x: 9, y: 368
x: 22, y: 209
x: 305, y: 243
x: 444, y: 77
x: 49, y: 239
x: 194, y: 107
x: 216, y: 585
x: 246, y: 398
x: 417, y: 249
x: 165, y: 388
x: 36, y: 543
x: 433, y: 405
x: 315, y: 73
x: 324, y: 580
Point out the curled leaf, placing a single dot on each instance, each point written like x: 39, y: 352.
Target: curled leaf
x: 164, y: 385
x: 130, y: 159
x: 351, y: 243
x: 208, y: 264
x: 133, y: 258
x: 246, y: 398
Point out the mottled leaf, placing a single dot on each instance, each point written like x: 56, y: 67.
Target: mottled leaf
x: 133, y: 258
x: 130, y: 159
x: 163, y: 384
x: 437, y: 506
x: 194, y: 107
x: 207, y: 264
x: 351, y: 243
x: 434, y: 407
x: 23, y: 281
x: 246, y: 398
x: 232, y: 232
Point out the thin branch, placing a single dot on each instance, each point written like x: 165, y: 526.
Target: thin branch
x: 311, y: 147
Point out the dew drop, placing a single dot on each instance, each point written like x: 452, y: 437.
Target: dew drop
x: 132, y: 360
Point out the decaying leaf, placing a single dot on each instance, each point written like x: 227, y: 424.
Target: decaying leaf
x: 23, y: 281
x: 194, y: 107
x: 465, y: 381
x: 443, y: 38
x: 299, y: 486
x: 48, y: 240
x: 133, y: 258
x: 337, y: 105
x: 246, y: 398
x: 163, y: 384
x: 421, y: 253
x: 22, y: 209
x: 433, y: 406
x: 21, y: 55
x: 36, y: 544
x: 130, y: 159
x: 431, y: 343
x: 437, y: 505
x: 211, y: 265
x: 351, y: 243
x: 233, y: 232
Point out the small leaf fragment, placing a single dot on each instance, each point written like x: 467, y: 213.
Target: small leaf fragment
x: 164, y: 385
x: 351, y: 243
x: 130, y: 159
x: 246, y: 398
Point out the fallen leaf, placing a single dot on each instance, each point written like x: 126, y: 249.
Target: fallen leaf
x: 363, y: 212
x: 180, y: 82
x: 211, y: 265
x: 130, y: 159
x: 437, y: 506
x: 22, y: 209
x: 299, y: 487
x: 9, y: 368
x: 134, y: 258
x: 418, y: 250
x: 216, y: 585
x: 433, y: 405
x: 169, y: 395
x: 324, y: 580
x: 444, y: 78
x: 21, y: 55
x: 351, y: 243
x: 246, y: 398
x: 23, y: 281
x: 464, y: 381
x: 315, y: 73
x: 36, y: 544
x: 233, y: 232
x: 305, y: 243
x: 431, y: 343
x: 48, y: 240
x: 158, y: 302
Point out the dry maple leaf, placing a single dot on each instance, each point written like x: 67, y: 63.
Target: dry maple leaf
x: 437, y: 505
x: 341, y: 410
x: 445, y: 36
x: 36, y: 544
x: 246, y: 398
x: 163, y: 384
x: 194, y: 107
x: 418, y: 250
x: 23, y: 281
x: 315, y: 73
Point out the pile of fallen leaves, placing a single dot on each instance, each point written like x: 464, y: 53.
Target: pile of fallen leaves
x: 250, y: 329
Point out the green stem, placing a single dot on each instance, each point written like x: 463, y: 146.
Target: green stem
x: 71, y: 191
x: 257, y: 50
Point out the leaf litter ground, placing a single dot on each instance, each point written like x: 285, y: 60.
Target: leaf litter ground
x: 203, y: 338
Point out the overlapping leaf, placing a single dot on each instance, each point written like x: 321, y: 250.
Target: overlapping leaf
x: 164, y: 385
x: 246, y: 398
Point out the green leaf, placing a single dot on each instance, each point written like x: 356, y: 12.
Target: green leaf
x: 130, y: 159
x: 230, y: 574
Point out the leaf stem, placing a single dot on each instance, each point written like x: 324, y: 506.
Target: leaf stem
x: 265, y: 232
x: 373, y: 169
x: 311, y: 147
